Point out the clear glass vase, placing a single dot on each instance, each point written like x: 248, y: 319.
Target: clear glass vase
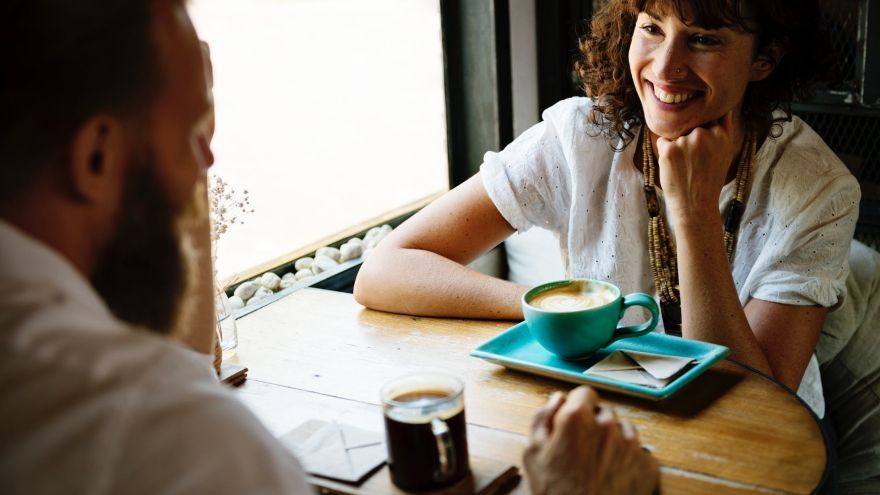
x: 227, y: 331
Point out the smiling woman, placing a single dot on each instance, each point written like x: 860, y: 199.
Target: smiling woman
x: 329, y: 114
x: 682, y: 174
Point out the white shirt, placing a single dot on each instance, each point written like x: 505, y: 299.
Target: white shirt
x: 793, y: 241
x: 91, y: 405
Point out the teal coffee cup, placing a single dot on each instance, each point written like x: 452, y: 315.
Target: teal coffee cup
x: 575, y: 318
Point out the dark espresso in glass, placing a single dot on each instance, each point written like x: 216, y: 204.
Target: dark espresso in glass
x: 425, y: 430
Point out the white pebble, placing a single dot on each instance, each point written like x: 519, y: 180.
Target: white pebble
x: 379, y: 233
x: 262, y: 293
x: 355, y: 240
x: 350, y: 251
x: 236, y: 302
x: 288, y: 276
x: 303, y: 263
x: 288, y: 283
x: 383, y: 233
x: 330, y: 252
x: 372, y: 233
x: 246, y: 290
x: 304, y: 273
x: 323, y: 264
x: 270, y: 281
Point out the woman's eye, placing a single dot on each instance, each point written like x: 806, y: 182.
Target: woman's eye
x: 650, y: 29
x: 704, y: 40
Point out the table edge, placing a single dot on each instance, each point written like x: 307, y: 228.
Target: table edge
x: 826, y: 440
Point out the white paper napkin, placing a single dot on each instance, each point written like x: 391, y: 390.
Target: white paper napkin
x: 338, y: 451
x: 640, y: 368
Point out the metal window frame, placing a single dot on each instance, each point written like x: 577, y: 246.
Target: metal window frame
x: 479, y: 108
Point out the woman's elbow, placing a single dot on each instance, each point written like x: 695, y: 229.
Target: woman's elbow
x: 367, y: 283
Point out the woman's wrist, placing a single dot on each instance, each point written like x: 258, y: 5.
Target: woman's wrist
x: 693, y: 215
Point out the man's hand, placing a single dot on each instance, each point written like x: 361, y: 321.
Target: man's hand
x: 579, y: 447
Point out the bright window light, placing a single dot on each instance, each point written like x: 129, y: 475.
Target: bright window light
x: 329, y: 113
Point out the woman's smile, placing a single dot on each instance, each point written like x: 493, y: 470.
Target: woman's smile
x: 670, y: 97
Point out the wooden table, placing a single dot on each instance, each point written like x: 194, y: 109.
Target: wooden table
x: 318, y: 354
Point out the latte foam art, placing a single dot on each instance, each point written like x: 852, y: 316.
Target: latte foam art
x: 574, y: 298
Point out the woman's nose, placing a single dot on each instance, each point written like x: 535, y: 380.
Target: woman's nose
x: 670, y: 62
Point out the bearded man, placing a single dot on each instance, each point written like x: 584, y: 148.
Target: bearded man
x: 103, y: 159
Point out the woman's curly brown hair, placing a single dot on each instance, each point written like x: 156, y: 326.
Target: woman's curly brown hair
x: 604, y: 72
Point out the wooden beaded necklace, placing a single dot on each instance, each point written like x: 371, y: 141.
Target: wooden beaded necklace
x: 661, y: 247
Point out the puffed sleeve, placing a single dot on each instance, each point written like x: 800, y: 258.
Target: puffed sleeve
x: 530, y: 180
x: 814, y: 209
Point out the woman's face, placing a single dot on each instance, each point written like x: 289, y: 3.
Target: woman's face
x: 687, y: 76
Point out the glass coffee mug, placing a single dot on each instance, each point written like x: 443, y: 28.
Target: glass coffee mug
x: 425, y: 430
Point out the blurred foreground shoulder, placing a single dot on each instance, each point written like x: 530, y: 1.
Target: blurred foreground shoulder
x: 196, y: 437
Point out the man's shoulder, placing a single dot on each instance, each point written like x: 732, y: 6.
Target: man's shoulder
x: 107, y: 404
x: 203, y: 436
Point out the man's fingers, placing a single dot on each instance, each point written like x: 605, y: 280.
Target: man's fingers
x: 542, y: 424
x: 576, y: 418
x: 583, y: 395
x: 612, y: 439
x: 629, y: 430
x: 605, y: 415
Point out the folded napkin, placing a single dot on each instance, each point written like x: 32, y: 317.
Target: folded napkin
x: 641, y: 368
x: 337, y: 451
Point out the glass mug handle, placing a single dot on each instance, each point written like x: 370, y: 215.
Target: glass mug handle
x: 445, y: 450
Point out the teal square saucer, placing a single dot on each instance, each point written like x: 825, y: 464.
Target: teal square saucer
x: 516, y: 349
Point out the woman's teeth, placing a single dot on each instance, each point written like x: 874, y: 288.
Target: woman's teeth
x: 672, y: 97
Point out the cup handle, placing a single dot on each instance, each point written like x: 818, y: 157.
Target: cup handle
x: 445, y: 450
x: 637, y: 299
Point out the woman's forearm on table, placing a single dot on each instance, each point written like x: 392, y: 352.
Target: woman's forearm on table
x: 419, y: 282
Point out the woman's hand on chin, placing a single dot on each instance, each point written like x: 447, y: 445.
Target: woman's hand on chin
x: 694, y: 167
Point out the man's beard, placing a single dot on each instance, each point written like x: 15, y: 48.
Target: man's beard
x: 142, y: 274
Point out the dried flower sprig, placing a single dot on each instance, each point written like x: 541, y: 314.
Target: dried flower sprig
x: 227, y: 206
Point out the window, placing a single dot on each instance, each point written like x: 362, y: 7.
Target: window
x: 329, y: 114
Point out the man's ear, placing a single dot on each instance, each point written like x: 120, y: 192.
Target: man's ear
x: 97, y: 159
x: 767, y: 60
